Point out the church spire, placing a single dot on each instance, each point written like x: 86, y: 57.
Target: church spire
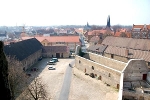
x: 108, y: 21
x: 87, y: 24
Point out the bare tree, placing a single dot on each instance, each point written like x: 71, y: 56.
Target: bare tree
x: 22, y: 87
x: 16, y: 76
x: 36, y: 90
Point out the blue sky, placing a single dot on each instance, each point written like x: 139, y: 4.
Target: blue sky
x: 73, y: 12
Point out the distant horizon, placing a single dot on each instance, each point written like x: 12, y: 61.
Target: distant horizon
x: 65, y: 25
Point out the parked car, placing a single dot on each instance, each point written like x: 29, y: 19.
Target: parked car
x: 51, y: 67
x: 51, y: 62
x: 40, y: 59
x: 55, y: 59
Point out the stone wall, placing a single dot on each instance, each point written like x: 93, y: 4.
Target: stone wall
x: 135, y: 96
x: 101, y: 72
x: 135, y: 70
x: 124, y: 59
x: 50, y: 54
x: 32, y: 59
x: 118, y: 65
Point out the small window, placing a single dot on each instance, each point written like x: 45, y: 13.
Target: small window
x: 79, y: 61
x: 148, y: 63
x: 109, y: 75
x: 92, y: 67
x: 112, y: 55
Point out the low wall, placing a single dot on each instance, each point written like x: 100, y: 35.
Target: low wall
x: 137, y: 96
x: 102, y: 72
x: 106, y: 61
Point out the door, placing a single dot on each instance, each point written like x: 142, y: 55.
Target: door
x: 144, y: 76
x: 117, y: 86
x: 58, y: 55
x: 62, y: 55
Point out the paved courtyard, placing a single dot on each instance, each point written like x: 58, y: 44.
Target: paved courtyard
x: 82, y: 87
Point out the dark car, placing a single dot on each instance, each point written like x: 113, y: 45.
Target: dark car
x: 55, y: 59
x: 40, y: 59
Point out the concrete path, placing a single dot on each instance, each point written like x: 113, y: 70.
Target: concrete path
x: 66, y: 84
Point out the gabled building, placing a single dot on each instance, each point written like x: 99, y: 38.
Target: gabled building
x: 127, y: 77
x: 98, y: 49
x: 124, y: 49
x: 70, y: 41
x: 56, y: 51
x: 141, y: 31
x: 3, y: 36
x: 27, y: 52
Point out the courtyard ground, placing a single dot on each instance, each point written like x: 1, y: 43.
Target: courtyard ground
x: 83, y: 87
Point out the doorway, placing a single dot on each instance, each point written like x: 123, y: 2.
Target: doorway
x: 144, y: 76
x: 58, y: 55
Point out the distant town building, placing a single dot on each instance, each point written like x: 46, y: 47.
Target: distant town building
x: 3, y: 36
x: 123, y: 49
x: 56, y: 51
x: 141, y: 31
x: 70, y: 41
x: 102, y: 33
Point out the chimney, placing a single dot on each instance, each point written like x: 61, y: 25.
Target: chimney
x: 127, y: 52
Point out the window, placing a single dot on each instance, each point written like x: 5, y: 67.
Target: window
x: 109, y: 75
x: 148, y: 63
x: 79, y: 61
x: 92, y: 67
x: 112, y: 55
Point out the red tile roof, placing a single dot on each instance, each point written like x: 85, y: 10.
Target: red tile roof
x: 56, y: 38
x: 96, y: 32
x: 95, y: 39
x: 140, y: 26
x: 119, y: 33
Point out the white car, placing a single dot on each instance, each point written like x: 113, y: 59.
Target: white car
x: 51, y: 67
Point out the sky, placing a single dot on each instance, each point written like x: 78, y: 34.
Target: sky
x: 73, y: 12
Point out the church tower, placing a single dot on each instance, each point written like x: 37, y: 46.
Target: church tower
x: 108, y: 21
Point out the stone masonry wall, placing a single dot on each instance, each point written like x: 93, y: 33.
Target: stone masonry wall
x: 103, y: 73
x: 124, y: 59
x: 118, y: 65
